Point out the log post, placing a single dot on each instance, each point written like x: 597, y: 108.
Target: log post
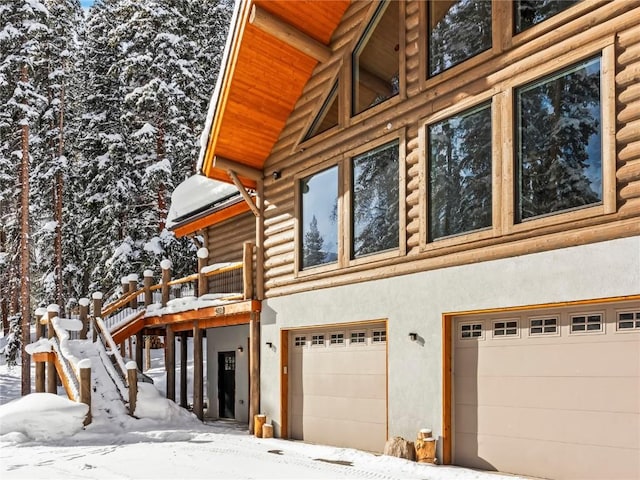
x: 133, y: 286
x: 147, y: 352
x: 258, y: 423
x: 203, y: 283
x: 425, y: 447
x: 147, y: 282
x: 85, y: 386
x: 170, y: 358
x: 52, y: 376
x: 139, y: 348
x: 132, y: 380
x: 40, y: 367
x: 97, y: 312
x: 254, y: 366
x: 84, y: 316
x: 267, y: 430
x: 247, y: 270
x: 183, y: 369
x: 198, y: 380
x: 166, y: 278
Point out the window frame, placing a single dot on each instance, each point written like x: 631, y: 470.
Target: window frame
x: 543, y: 318
x: 621, y: 311
x: 603, y: 323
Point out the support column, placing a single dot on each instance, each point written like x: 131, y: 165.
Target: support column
x: 148, y: 282
x: 184, y: 338
x: 84, y: 315
x: 170, y: 365
x: 254, y: 367
x: 97, y: 312
x: 133, y: 286
x: 52, y: 376
x: 40, y: 366
x: 139, y: 349
x: 198, y: 378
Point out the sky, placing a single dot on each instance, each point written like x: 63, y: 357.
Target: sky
x: 86, y: 3
x: 42, y: 437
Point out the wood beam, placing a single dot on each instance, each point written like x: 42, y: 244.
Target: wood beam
x: 170, y: 358
x: 288, y: 34
x: 242, y: 170
x: 198, y: 378
x: 254, y: 367
x: 244, y: 193
x: 183, y: 369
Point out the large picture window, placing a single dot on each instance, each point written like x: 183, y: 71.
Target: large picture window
x: 458, y: 30
x: 558, y: 142
x: 375, y: 187
x: 319, y: 230
x: 460, y: 180
x: 528, y: 13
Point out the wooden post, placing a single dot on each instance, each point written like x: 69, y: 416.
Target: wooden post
x: 97, y: 312
x: 198, y: 380
x: 426, y: 450
x: 247, y: 270
x: 124, y: 283
x: 203, y: 283
x: 84, y: 315
x: 258, y: 423
x: 52, y: 376
x: 183, y: 369
x: 147, y: 351
x: 139, y: 349
x: 40, y: 367
x: 85, y: 386
x: 166, y: 278
x: 267, y: 430
x: 170, y: 358
x: 133, y: 286
x: 132, y: 379
x: 147, y: 282
x: 254, y: 367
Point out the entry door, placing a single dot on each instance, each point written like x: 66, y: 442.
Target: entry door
x: 227, y: 384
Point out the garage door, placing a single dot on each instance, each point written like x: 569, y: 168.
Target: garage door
x: 551, y: 393
x: 338, y: 386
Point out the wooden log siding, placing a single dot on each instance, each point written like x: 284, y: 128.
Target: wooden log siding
x: 582, y: 29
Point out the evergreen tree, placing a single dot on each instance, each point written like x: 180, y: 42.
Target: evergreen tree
x: 313, y: 243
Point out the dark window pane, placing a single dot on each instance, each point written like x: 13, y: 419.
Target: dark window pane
x: 460, y: 173
x: 531, y: 12
x: 558, y: 149
x: 327, y: 117
x: 376, y: 60
x: 375, y: 200
x: 319, y: 211
x: 458, y: 30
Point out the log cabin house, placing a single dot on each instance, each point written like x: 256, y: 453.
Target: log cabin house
x: 444, y: 203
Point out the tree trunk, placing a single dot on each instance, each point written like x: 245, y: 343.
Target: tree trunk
x: 25, y: 282
x: 57, y: 214
x: 162, y: 204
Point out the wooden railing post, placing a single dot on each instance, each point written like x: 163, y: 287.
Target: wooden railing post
x: 52, y: 379
x: 147, y: 282
x: 203, y: 283
x: 97, y: 312
x: 247, y: 270
x: 124, y: 283
x: 40, y: 367
x: 84, y: 314
x: 85, y: 386
x: 132, y: 380
x: 133, y: 286
x: 165, y: 265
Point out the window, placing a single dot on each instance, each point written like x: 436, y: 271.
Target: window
x: 375, y: 209
x: 558, y: 142
x: 586, y: 323
x: 300, y: 341
x: 358, y: 337
x: 543, y: 326
x: 507, y: 328
x: 471, y: 330
x: 460, y: 173
x: 336, y: 339
x: 528, y: 13
x: 458, y: 30
x: 376, y: 60
x: 317, y: 340
x: 629, y: 320
x: 327, y: 118
x: 319, y: 213
x: 379, y: 336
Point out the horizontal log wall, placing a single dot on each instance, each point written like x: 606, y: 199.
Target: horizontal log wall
x: 493, y: 72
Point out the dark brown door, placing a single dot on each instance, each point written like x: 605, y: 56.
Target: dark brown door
x: 227, y: 384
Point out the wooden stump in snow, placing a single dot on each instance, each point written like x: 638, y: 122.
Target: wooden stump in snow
x: 426, y: 450
x: 258, y: 423
x: 399, y: 447
x: 267, y: 430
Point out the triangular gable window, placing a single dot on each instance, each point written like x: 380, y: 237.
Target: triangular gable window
x: 376, y: 60
x: 327, y: 117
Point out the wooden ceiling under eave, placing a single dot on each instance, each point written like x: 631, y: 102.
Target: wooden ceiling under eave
x: 264, y: 77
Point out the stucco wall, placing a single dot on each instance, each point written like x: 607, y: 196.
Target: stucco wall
x: 415, y: 303
x: 228, y: 339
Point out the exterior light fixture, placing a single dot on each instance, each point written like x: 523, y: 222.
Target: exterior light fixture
x: 276, y: 175
x: 270, y: 344
x: 240, y: 349
x: 413, y: 336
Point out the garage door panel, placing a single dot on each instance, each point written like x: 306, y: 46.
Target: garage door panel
x: 540, y: 457
x: 606, y: 393
x: 349, y: 386
x: 354, y: 360
x: 344, y: 433
x: 357, y: 409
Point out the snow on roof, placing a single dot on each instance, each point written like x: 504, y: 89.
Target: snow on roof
x: 196, y: 195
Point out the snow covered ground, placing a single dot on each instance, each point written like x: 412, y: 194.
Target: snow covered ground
x: 41, y: 437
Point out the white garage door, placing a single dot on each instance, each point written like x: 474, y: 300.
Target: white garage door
x: 549, y: 393
x: 338, y: 386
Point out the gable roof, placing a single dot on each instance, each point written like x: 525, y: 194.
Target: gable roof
x: 260, y: 81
